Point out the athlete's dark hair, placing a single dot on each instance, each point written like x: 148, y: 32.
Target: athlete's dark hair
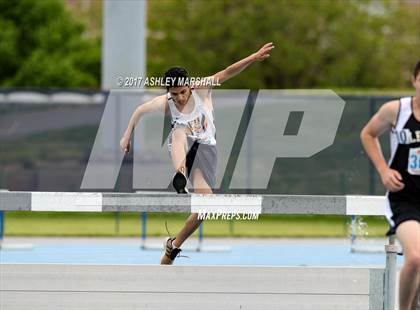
x: 416, y: 69
x: 177, y: 77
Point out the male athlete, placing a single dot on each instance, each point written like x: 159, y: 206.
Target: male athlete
x: 192, y: 141
x: 401, y: 177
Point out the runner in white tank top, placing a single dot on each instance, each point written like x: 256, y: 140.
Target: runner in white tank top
x: 193, y: 136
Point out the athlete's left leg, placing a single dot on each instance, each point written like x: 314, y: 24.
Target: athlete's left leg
x: 172, y: 245
x: 200, y: 187
x: 408, y: 233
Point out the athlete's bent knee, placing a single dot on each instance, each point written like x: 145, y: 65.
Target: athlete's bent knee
x: 413, y: 262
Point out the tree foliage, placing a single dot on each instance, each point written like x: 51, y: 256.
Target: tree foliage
x: 42, y: 45
x: 319, y: 43
x: 325, y: 43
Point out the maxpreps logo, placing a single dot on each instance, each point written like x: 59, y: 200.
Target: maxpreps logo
x: 226, y: 216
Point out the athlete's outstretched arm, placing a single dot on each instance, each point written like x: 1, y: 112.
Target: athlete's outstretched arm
x: 154, y: 105
x: 379, y: 123
x: 237, y: 67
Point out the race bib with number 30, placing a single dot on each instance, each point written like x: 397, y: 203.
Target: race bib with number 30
x: 414, y: 161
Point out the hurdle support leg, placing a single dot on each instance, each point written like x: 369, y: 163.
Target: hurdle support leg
x: 353, y: 233
x: 143, y: 229
x: 1, y: 227
x: 200, y: 237
x: 2, y: 221
x: 391, y: 250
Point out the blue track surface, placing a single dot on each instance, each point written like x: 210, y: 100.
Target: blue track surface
x: 243, y: 254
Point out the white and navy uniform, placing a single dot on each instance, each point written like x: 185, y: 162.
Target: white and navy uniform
x: 404, y: 205
x: 201, y: 137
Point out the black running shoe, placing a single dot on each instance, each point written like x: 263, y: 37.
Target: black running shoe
x: 170, y: 252
x: 179, y: 182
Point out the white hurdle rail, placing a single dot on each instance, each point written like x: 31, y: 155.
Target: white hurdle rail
x: 105, y: 287
x: 149, y: 202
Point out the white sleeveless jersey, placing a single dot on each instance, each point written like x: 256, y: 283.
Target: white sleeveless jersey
x: 199, y: 123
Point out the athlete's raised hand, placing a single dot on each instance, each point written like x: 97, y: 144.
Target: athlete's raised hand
x: 392, y: 180
x: 234, y: 69
x: 264, y: 52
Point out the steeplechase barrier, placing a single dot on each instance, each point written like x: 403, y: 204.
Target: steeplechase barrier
x: 71, y: 286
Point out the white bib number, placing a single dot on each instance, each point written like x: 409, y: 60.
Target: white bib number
x: 414, y: 161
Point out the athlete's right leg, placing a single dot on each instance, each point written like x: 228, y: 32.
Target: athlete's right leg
x: 179, y: 149
x: 408, y: 233
x: 179, y: 159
